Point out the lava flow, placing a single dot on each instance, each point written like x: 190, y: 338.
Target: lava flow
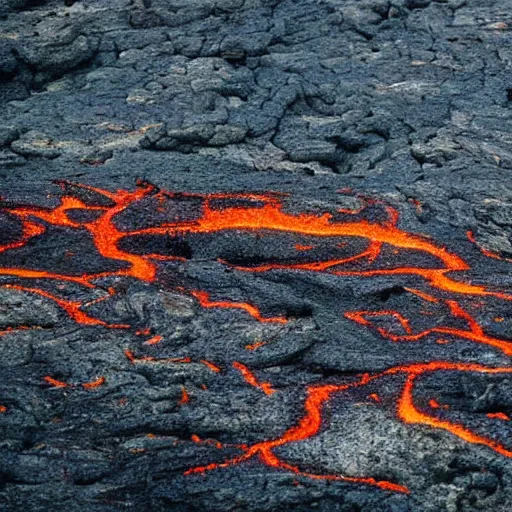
x: 474, y: 331
x: 264, y: 215
x: 252, y: 380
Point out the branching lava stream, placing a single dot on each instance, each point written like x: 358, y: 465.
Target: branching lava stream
x: 265, y: 214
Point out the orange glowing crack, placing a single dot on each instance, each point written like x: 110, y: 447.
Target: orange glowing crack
x: 310, y: 424
x: 95, y: 383
x: 169, y: 360
x: 149, y: 359
x: 196, y: 439
x: 72, y: 308
x: 422, y: 295
x: 10, y: 330
x: 163, y: 257
x: 474, y: 332
x: 3, y: 408
x: 213, y: 367
x: 361, y: 317
x: 498, y: 416
x: 434, y: 404
x: 154, y: 340
x: 408, y: 413
x: 42, y: 274
x: 30, y: 230
x: 110, y: 293
x: 256, y: 345
x: 486, y: 252
x: 54, y: 382
x: 436, y: 277
x: 251, y: 379
x: 417, y: 204
x: 370, y: 253
x: 204, y: 300
x: 185, y: 397
x: 87, y: 385
x: 271, y: 217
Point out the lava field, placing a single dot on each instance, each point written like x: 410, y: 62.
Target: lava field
x: 255, y: 255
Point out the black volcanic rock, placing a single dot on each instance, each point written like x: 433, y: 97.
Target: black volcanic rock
x: 168, y: 300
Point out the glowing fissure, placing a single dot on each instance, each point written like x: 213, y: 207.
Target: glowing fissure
x: 251, y: 379
x: 72, y: 308
x: 268, y: 216
x: 169, y: 360
x: 311, y: 423
x: 486, y: 252
x: 55, y: 383
x: 271, y: 217
x: 206, y: 302
x: 474, y: 332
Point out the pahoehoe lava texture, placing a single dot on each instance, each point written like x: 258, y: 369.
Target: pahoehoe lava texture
x: 255, y: 255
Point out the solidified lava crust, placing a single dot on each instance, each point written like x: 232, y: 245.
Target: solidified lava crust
x: 267, y: 216
x: 255, y: 255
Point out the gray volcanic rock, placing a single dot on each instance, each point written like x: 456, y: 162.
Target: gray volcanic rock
x: 172, y: 297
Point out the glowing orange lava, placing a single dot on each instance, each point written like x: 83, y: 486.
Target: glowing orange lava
x: 72, y: 308
x: 254, y: 346
x: 499, y: 416
x: 252, y: 380
x: 95, y: 383
x: 185, y: 397
x: 265, y: 214
x: 154, y: 340
x: 87, y: 385
x: 486, y: 252
x: 204, y: 300
x: 213, y: 367
x: 169, y: 360
x: 55, y: 383
x: 474, y: 332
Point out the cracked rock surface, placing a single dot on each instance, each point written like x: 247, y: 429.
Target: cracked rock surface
x: 255, y: 255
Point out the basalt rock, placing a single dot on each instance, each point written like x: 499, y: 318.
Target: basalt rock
x: 255, y: 255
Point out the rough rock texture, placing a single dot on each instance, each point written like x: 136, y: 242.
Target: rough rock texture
x: 232, y: 348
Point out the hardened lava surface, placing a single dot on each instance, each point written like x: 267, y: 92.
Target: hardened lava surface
x: 171, y: 341
x: 255, y: 255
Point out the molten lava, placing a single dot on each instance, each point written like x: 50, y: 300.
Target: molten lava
x: 206, y: 302
x: 185, y: 397
x: 473, y: 332
x: 251, y: 379
x: 265, y: 214
x: 86, y: 385
x: 499, y: 416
